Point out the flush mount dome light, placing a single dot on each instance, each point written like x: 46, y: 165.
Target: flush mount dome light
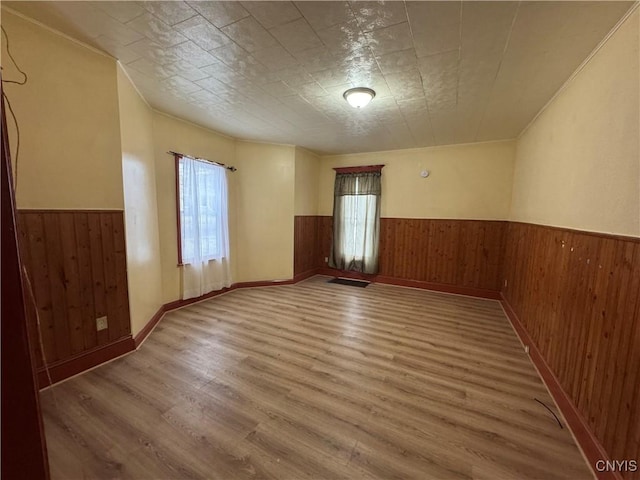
x: 359, y: 97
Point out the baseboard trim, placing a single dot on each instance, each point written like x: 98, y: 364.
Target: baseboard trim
x: 441, y: 287
x: 403, y: 282
x: 183, y: 303
x: 304, y: 275
x: 262, y: 283
x: 148, y: 328
x: 591, y: 448
x: 334, y: 272
x: 84, y: 361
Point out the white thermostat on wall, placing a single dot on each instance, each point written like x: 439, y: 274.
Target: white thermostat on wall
x: 424, y: 173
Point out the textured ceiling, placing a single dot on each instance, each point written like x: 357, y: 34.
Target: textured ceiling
x: 444, y: 72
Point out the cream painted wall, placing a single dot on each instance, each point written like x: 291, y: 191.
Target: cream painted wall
x: 170, y: 133
x: 265, y: 211
x: 77, y: 164
x: 307, y: 171
x: 466, y: 181
x: 141, y: 212
x: 578, y: 165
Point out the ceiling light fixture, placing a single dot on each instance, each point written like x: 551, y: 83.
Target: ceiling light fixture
x: 359, y: 97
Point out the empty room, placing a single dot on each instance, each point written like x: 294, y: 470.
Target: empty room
x: 320, y: 240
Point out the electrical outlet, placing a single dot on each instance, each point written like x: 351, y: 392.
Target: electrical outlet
x: 101, y: 323
x: 326, y: 259
x: 505, y: 282
x: 526, y: 349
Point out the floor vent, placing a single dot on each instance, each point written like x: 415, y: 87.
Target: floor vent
x: 351, y: 283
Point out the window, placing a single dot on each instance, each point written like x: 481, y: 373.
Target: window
x: 356, y: 219
x: 357, y: 212
x: 202, y: 211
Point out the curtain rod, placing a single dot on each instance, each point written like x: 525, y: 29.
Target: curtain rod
x: 228, y: 167
x: 360, y: 169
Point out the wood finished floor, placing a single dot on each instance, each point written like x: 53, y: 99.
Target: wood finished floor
x: 315, y: 380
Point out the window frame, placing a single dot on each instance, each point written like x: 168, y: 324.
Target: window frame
x: 339, y: 261
x: 176, y: 165
x: 179, y: 219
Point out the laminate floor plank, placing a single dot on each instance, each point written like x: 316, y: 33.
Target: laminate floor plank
x: 317, y: 381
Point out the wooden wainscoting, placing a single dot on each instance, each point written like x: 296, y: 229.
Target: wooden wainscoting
x: 76, y: 261
x: 577, y: 294
x: 461, y: 253
x: 306, y: 244
x: 466, y: 253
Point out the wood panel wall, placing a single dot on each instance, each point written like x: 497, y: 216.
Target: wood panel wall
x: 306, y: 244
x: 76, y: 261
x: 465, y: 253
x: 454, y: 252
x: 578, y: 296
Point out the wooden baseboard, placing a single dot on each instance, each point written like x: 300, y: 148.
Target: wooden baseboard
x: 403, y: 282
x: 441, y: 287
x: 183, y: 303
x: 588, y: 443
x: 146, y: 330
x: 303, y: 276
x: 460, y: 290
x: 84, y: 361
x: 334, y: 272
x: 262, y: 283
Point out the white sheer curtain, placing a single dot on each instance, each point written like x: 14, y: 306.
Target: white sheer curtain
x: 204, y: 227
x: 358, y: 239
x: 356, y: 222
